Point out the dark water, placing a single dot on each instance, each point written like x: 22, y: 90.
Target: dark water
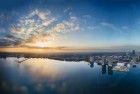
x: 45, y: 76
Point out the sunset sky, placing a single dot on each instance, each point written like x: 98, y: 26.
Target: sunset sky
x: 70, y: 23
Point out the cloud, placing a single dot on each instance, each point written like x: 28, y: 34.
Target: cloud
x: 3, y: 17
x: 112, y: 26
x: 87, y: 16
x: 67, y: 9
x: 38, y: 26
x: 2, y: 31
x: 9, y: 41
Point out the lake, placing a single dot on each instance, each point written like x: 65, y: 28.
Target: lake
x: 48, y: 76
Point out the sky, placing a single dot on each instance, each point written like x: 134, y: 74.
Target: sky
x: 70, y: 23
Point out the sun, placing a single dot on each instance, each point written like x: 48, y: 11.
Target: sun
x: 41, y: 44
x: 38, y: 44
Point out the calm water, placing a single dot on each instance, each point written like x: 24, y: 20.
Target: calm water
x: 45, y: 76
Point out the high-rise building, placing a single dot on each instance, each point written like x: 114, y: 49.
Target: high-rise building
x: 133, y: 53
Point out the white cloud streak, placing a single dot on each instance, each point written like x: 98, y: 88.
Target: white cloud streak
x: 112, y: 26
x: 40, y: 26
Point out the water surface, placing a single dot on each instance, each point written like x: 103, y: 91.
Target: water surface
x: 46, y: 76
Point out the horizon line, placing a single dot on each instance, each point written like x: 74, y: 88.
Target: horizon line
x: 62, y: 49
